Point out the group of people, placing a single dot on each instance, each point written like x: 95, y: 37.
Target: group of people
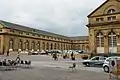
x: 17, y: 58
x: 55, y: 56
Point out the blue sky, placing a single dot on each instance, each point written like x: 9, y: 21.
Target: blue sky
x: 65, y: 17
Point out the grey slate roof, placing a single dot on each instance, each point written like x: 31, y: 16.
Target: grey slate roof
x: 79, y: 38
x: 41, y: 32
x: 28, y: 29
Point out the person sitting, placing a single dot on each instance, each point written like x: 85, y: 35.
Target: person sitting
x: 73, y: 58
x: 55, y: 56
x: 18, y: 58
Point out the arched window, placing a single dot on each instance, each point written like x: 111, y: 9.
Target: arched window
x: 87, y: 48
x: 66, y: 46
x: 43, y: 44
x: 83, y: 47
x: 27, y: 45
x: 11, y: 44
x: 51, y: 46
x: 61, y: 46
x: 80, y: 47
x: 58, y: 46
x: 38, y: 46
x: 20, y: 44
x: 111, y: 11
x: 55, y: 46
x: 112, y: 39
x: 100, y: 40
x: 33, y: 45
x: 47, y: 46
x: 69, y: 47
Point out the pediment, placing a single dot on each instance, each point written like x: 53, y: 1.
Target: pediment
x: 105, y: 7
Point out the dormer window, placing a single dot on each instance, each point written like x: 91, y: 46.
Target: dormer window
x: 111, y: 11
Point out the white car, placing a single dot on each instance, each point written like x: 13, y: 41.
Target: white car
x: 106, y: 66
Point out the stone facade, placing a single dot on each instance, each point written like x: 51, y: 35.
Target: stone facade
x: 14, y: 37
x: 104, y: 28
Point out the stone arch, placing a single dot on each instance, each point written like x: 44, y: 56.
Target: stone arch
x: 38, y: 46
x: 11, y: 44
x: 27, y: 45
x: 33, y: 45
x: 111, y: 31
x: 43, y: 45
x: 47, y: 46
x: 101, y: 32
x: 51, y: 46
x: 20, y: 45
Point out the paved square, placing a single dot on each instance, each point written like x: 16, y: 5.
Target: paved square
x: 45, y: 68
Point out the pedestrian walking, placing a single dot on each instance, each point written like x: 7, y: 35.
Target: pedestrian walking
x: 8, y: 53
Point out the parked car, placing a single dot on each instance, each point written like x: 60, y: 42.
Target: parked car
x: 97, y: 60
x: 106, y: 66
x: 43, y: 52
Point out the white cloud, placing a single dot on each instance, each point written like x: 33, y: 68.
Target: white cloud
x: 66, y: 17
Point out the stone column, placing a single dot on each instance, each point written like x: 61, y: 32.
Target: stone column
x: 92, y: 41
x: 106, y: 46
x: 118, y: 43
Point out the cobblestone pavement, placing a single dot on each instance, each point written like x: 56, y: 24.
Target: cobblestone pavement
x: 45, y: 68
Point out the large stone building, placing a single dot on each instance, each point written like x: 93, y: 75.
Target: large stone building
x: 14, y: 37
x: 104, y: 28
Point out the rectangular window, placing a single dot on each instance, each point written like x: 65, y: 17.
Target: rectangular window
x: 20, y: 32
x: 99, y: 19
x: 111, y: 18
x: 12, y: 31
x: 27, y: 33
x: 33, y: 34
x: 0, y: 30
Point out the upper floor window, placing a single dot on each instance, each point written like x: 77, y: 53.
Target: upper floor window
x: 20, y: 32
x: 111, y: 18
x: 0, y: 30
x: 12, y: 31
x: 33, y: 30
x: 111, y: 11
x: 43, y: 36
x: 27, y: 33
x: 33, y: 34
x: 99, y: 19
